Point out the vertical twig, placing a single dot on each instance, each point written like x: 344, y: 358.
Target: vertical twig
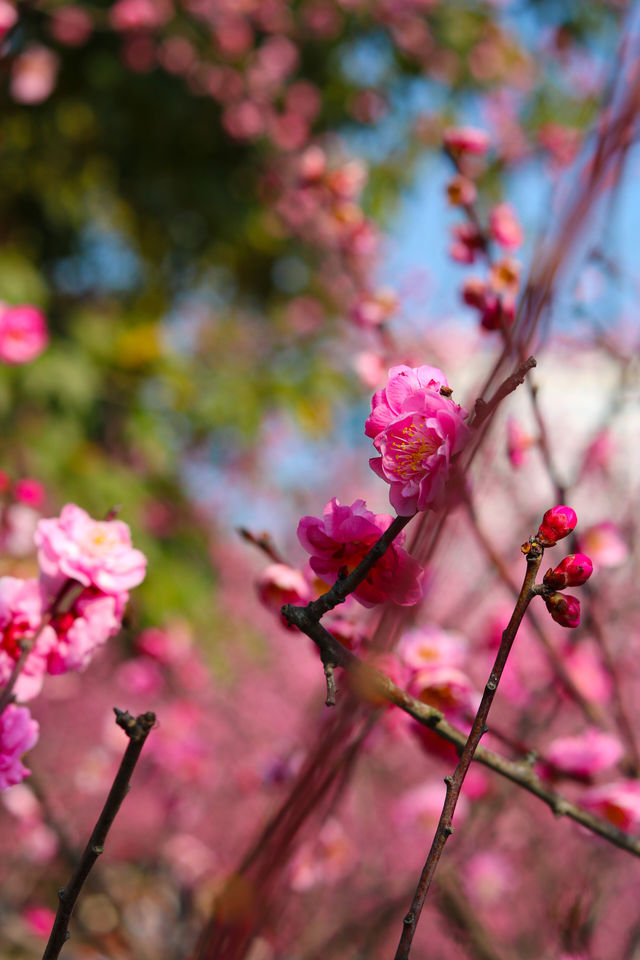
x: 454, y: 783
x: 137, y: 729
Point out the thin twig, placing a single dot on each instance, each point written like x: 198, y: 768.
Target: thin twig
x: 137, y: 729
x: 454, y: 783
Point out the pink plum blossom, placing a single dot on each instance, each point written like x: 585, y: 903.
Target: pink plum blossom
x: 429, y: 645
x: 325, y: 860
x: 139, y: 14
x: 96, y: 553
x: 33, y: 77
x: 605, y: 544
x: 341, y: 539
x: 446, y: 688
x: 584, y: 755
x: 461, y: 191
x: 92, y: 619
x: 71, y: 25
x: 374, y: 309
x: 518, y: 442
x: 18, y: 733
x: 279, y: 584
x: 417, y: 429
x: 23, y: 333
x: 421, y: 807
x: 505, y: 227
x: 39, y: 920
x: 618, y: 802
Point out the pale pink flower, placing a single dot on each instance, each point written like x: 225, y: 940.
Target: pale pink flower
x: 33, y: 77
x: 341, y: 539
x: 588, y: 673
x: 417, y: 429
x: 584, y: 755
x: 604, y: 544
x: 562, y: 142
x: 505, y: 227
x: 488, y: 877
x: 427, y: 646
x: 23, y: 333
x: 140, y: 676
x: 618, y: 802
x: 18, y: 733
x: 279, y: 584
x: 466, y: 140
x: 370, y: 368
x: 20, y: 523
x: 94, y: 552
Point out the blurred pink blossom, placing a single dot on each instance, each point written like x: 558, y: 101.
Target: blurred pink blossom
x: 8, y: 17
x: 466, y: 140
x: 505, y: 227
x: 33, y: 77
x: 279, y: 584
x: 23, y: 333
x: 584, y: 755
x: 30, y: 491
x: 605, y: 544
x: 139, y: 14
x: 430, y: 645
x: 618, y: 802
x: 18, y: 733
x: 71, y: 25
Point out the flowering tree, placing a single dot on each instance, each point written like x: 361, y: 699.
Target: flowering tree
x: 204, y: 334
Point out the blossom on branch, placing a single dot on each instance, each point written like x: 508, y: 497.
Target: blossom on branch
x: 96, y: 553
x: 417, y: 428
x: 18, y: 733
x: 342, y: 538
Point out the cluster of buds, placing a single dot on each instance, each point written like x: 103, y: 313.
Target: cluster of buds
x: 495, y: 297
x: 573, y: 571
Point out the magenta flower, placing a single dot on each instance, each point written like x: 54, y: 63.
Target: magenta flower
x: 417, y: 429
x: 573, y: 571
x: 96, y: 553
x: 504, y: 226
x: 557, y: 523
x: 564, y: 609
x: 618, y: 802
x: 18, y: 733
x: 23, y: 333
x: 340, y: 540
x: 584, y: 755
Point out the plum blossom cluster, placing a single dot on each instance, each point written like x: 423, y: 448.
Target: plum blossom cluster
x: 54, y: 623
x: 493, y: 297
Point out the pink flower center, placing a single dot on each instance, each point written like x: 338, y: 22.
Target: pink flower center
x: 100, y: 540
x: 11, y: 636
x: 412, y: 447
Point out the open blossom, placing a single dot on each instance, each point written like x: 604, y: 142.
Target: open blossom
x: 92, y: 619
x: 342, y: 538
x: 23, y: 333
x: 21, y: 613
x: 417, y: 429
x: 96, y: 553
x: 279, y: 584
x: 429, y: 645
x: 18, y: 733
x: 584, y: 755
x: 618, y: 802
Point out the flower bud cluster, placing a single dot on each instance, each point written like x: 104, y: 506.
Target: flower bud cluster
x: 573, y: 571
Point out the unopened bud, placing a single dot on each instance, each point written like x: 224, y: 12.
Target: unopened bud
x: 564, y: 609
x: 572, y: 572
x: 557, y: 523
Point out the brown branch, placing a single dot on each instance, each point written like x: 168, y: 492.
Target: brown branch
x: 137, y: 729
x: 371, y: 682
x: 486, y: 408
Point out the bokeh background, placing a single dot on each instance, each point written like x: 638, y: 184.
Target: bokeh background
x: 234, y: 215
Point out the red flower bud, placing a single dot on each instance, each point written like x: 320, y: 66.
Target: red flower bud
x: 558, y: 522
x: 572, y: 572
x: 564, y: 609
